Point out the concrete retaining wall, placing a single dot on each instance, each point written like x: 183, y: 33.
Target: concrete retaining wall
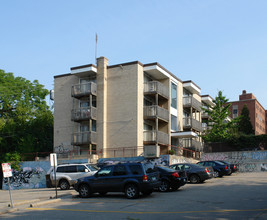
x: 248, y: 161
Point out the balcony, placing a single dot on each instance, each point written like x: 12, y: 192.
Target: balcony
x: 84, y: 89
x: 155, y: 87
x: 189, y: 123
x: 82, y: 114
x: 192, y: 144
x: 87, y: 137
x: 190, y: 101
x: 150, y: 137
x: 205, y: 115
x: 154, y: 111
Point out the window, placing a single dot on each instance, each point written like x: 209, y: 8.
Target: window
x: 174, y: 124
x: 147, y: 127
x: 81, y: 168
x: 119, y: 170
x: 105, y: 171
x: 173, y: 95
x: 71, y: 169
x: 136, y: 169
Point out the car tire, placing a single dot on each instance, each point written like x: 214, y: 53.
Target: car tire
x: 216, y: 173
x: 64, y: 184
x: 131, y: 191
x: 84, y: 191
x: 194, y: 178
x: 164, y: 186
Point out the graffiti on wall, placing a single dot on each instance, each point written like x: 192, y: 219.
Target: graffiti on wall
x: 62, y: 148
x: 248, y: 161
x: 26, y: 178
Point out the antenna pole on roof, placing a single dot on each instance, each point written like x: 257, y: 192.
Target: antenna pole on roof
x: 96, y: 47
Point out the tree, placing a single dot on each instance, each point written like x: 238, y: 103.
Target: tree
x: 244, y: 125
x: 26, y: 123
x: 221, y: 128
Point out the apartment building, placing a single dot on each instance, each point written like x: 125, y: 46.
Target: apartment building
x: 125, y: 110
x: 257, y: 113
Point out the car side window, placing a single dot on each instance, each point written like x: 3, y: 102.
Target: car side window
x: 80, y: 168
x: 60, y: 169
x: 187, y: 167
x: 201, y: 163
x: 119, y: 170
x: 71, y: 169
x: 105, y: 171
x: 136, y: 169
x: 174, y: 167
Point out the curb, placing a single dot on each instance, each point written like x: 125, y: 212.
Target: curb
x: 23, y: 202
x: 8, y: 211
x: 45, y: 202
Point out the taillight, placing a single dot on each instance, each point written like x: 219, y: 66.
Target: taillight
x: 226, y: 167
x: 206, y: 170
x: 175, y: 174
x: 234, y: 166
x: 144, y: 178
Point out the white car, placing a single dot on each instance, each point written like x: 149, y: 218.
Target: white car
x: 67, y: 174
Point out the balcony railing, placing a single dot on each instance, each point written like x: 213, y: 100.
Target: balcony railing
x: 192, y: 144
x: 191, y: 102
x: 83, y: 114
x: 155, y: 111
x: 192, y: 123
x: 87, y: 137
x: 156, y: 137
x: 84, y: 89
x: 155, y: 87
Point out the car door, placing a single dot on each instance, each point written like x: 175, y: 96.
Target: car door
x: 102, y: 179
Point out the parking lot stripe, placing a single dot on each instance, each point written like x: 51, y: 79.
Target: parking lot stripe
x: 129, y: 212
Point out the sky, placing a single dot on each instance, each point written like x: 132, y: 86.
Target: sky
x: 218, y: 44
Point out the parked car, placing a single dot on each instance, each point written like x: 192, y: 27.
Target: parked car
x: 171, y: 179
x: 233, y: 167
x: 67, y: 174
x: 195, y: 173
x: 219, y: 168
x: 130, y: 178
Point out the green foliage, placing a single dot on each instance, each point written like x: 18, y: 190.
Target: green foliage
x: 221, y: 128
x: 13, y: 158
x: 244, y: 125
x: 26, y: 123
x: 249, y: 142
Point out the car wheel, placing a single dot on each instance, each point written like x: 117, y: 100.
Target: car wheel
x: 64, y: 184
x: 164, y: 186
x: 131, y: 191
x: 194, y: 178
x: 84, y: 191
x: 216, y: 173
x: 147, y: 193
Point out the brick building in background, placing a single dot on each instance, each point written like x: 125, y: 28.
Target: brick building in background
x: 257, y: 113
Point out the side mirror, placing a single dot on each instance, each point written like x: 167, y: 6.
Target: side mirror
x: 86, y: 170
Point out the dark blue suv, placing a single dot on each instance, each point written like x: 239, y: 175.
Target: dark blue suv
x: 130, y: 178
x: 219, y: 168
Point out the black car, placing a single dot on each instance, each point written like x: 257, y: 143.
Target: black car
x: 220, y: 169
x: 233, y: 167
x: 130, y: 178
x: 170, y: 179
x: 195, y: 173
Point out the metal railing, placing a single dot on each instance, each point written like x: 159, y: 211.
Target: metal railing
x: 189, y: 122
x: 83, y: 89
x: 155, y: 87
x: 192, y: 144
x: 83, y: 114
x: 156, y: 137
x: 156, y: 111
x: 190, y: 101
x: 87, y: 137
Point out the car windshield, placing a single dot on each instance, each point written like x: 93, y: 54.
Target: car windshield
x: 220, y: 163
x: 92, y: 167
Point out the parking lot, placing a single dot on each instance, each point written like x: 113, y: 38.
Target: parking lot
x: 240, y: 196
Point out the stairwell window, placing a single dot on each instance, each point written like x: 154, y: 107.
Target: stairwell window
x: 173, y: 95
